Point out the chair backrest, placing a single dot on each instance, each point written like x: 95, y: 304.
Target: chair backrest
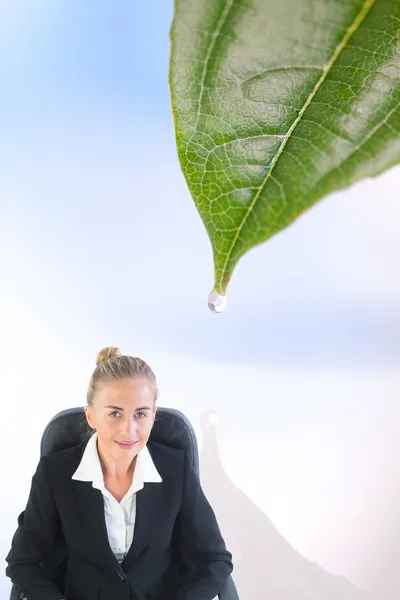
x: 170, y: 428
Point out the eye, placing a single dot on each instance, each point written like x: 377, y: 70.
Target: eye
x: 114, y: 414
x: 141, y: 415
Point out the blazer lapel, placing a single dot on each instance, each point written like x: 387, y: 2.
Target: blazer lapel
x: 94, y: 531
x: 148, y: 501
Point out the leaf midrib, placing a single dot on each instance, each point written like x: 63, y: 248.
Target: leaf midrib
x: 339, y: 48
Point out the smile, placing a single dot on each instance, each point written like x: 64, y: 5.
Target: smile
x: 126, y: 445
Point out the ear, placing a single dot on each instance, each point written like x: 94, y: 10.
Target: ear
x: 89, y: 416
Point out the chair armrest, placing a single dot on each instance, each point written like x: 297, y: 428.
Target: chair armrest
x: 230, y: 592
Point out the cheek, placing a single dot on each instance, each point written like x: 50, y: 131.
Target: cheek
x: 106, y: 426
x: 144, y: 430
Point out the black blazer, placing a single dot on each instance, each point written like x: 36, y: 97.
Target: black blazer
x: 61, y: 549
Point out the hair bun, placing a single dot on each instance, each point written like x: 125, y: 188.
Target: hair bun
x: 107, y: 353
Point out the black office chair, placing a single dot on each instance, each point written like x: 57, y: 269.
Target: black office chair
x: 68, y: 428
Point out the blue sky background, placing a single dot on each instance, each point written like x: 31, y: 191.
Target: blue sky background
x: 102, y: 245
x: 88, y: 142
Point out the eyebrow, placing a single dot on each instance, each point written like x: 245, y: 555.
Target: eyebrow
x: 120, y: 408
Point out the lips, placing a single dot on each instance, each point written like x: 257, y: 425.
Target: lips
x: 126, y: 444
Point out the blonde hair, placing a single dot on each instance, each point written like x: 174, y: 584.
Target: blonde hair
x: 111, y: 365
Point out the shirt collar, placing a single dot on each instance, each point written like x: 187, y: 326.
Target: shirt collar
x: 89, y: 468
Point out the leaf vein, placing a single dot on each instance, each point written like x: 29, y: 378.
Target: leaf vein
x: 214, y: 37
x: 359, y: 146
x: 350, y: 31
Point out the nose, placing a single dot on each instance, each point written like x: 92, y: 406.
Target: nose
x: 129, y: 429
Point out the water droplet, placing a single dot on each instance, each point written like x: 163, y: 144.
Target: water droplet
x: 216, y: 302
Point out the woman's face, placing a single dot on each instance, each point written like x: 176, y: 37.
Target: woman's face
x: 123, y: 411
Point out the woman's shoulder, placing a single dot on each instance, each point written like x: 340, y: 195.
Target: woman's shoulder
x: 163, y: 452
x: 65, y: 461
x: 167, y: 459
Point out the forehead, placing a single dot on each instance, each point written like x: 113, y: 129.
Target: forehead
x: 126, y: 392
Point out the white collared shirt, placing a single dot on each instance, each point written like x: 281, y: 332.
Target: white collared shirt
x: 119, y: 516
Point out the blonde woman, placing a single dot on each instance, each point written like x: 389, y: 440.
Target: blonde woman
x: 135, y: 521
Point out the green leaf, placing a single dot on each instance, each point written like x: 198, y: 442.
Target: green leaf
x: 277, y: 103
